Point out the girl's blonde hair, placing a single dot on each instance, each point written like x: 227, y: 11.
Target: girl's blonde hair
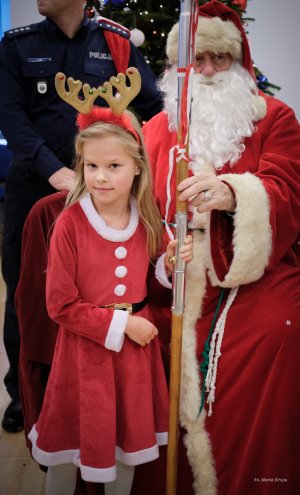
x: 142, y: 188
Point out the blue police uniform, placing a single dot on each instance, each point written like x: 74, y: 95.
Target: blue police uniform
x: 40, y: 128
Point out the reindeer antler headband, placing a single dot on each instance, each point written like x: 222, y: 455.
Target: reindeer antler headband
x: 118, y: 102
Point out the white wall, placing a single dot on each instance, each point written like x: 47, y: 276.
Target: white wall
x: 23, y: 12
x: 274, y: 39
x: 275, y: 42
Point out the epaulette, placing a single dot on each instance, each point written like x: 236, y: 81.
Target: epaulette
x: 20, y: 31
x: 112, y: 26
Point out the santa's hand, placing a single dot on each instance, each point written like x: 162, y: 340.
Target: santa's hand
x: 207, y: 192
x: 185, y: 253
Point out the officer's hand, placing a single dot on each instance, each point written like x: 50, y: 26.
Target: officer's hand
x: 63, y: 179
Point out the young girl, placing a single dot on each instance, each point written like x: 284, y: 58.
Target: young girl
x: 106, y: 402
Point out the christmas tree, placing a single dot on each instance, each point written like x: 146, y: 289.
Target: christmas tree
x: 150, y: 22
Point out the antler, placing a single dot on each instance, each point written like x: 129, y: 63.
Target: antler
x: 117, y: 102
x: 71, y: 96
x: 125, y: 94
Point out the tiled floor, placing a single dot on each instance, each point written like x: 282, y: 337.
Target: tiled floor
x: 19, y: 474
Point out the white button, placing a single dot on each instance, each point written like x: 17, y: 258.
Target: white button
x: 121, y: 252
x: 121, y: 271
x: 120, y: 290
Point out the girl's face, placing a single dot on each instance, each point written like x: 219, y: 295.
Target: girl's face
x: 109, y: 172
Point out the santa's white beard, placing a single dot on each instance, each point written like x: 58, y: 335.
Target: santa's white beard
x: 222, y: 114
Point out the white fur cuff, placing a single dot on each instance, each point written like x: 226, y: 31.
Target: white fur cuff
x: 160, y: 272
x: 252, y: 237
x: 115, y: 336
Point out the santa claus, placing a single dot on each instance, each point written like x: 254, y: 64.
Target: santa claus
x: 240, y: 381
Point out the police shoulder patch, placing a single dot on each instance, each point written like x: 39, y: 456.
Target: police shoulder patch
x: 21, y: 31
x: 112, y: 26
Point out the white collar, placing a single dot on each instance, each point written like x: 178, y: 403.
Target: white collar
x: 100, y: 226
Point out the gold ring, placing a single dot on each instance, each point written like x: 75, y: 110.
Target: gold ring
x: 172, y: 260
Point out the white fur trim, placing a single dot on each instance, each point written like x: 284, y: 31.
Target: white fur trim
x: 212, y: 35
x: 100, y: 226
x: 93, y: 474
x: 196, y: 440
x: 162, y: 438
x: 160, y: 272
x: 252, y: 237
x: 200, y: 457
x: 96, y: 475
x: 115, y: 335
x: 135, y: 458
x: 260, y: 107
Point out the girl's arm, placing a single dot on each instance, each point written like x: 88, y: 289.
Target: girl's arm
x: 65, y: 304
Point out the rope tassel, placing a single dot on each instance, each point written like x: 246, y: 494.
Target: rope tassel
x: 215, y: 351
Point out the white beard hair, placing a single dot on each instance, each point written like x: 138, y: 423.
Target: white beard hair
x: 222, y: 114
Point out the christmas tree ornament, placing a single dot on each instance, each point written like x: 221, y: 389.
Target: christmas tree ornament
x: 137, y: 37
x: 90, y: 12
x: 262, y: 81
x: 241, y: 3
x: 117, y: 3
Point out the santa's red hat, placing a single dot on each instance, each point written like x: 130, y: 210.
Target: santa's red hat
x: 219, y: 30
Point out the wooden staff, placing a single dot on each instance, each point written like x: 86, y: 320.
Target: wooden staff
x: 188, y: 18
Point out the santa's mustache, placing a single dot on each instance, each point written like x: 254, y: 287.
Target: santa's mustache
x: 217, y: 78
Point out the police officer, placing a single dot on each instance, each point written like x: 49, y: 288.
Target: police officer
x: 40, y: 128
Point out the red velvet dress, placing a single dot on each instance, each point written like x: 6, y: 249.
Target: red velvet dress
x: 254, y: 429
x: 106, y: 397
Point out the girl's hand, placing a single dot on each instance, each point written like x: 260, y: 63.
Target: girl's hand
x: 185, y: 253
x: 140, y: 330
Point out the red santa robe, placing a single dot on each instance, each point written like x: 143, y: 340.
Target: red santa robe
x: 251, y: 442
x: 106, y: 397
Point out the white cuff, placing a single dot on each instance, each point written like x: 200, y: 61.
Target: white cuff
x: 160, y: 272
x: 252, y: 237
x: 115, y: 335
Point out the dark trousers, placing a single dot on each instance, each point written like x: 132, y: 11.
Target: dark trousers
x: 22, y: 189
